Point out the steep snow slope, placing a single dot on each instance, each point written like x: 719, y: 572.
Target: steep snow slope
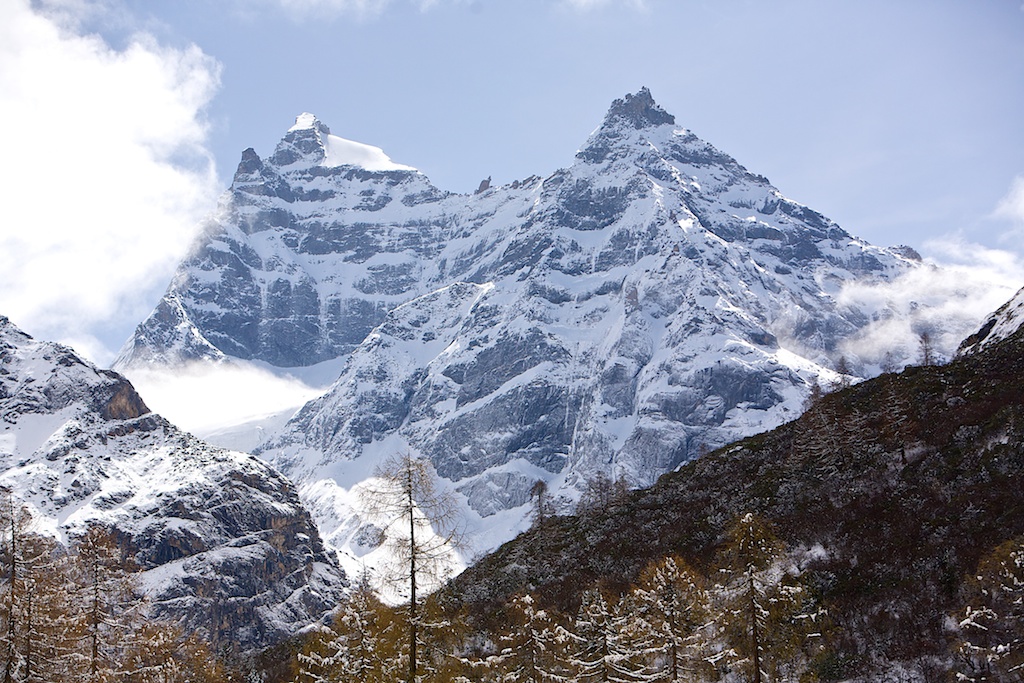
x: 998, y: 326
x: 227, y: 546
x: 649, y: 302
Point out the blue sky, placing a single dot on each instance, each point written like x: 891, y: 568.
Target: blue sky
x: 900, y: 120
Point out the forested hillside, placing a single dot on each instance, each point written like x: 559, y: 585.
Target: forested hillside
x: 886, y: 494
x: 880, y: 536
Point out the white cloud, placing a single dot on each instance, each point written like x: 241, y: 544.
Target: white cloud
x: 106, y: 172
x: 1011, y: 207
x: 204, y: 398
x: 947, y: 297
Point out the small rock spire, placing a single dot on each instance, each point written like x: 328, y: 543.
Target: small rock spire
x: 639, y: 110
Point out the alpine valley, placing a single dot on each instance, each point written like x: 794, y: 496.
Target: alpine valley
x: 649, y: 303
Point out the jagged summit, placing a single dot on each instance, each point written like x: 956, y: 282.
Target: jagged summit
x: 639, y: 110
x: 648, y: 302
x: 307, y: 121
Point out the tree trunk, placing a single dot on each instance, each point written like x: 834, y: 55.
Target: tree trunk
x: 753, y: 627
x: 412, y: 581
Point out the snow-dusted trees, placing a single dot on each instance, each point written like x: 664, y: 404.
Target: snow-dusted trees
x: 47, y: 635
x: 23, y: 599
x: 362, y: 642
x: 765, y: 615
x: 105, y: 581
x: 531, y: 647
x: 161, y: 653
x: 671, y: 622
x: 13, y: 531
x: 36, y: 636
x: 542, y: 505
x: 419, y: 523
x: 601, y: 651
x: 602, y: 492
x: 991, y: 646
x: 70, y: 615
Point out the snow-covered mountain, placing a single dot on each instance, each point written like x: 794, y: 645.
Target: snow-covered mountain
x: 649, y: 302
x: 227, y: 546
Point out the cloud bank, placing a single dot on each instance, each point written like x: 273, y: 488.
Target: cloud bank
x: 1011, y: 207
x: 206, y: 398
x: 947, y: 297
x: 106, y: 172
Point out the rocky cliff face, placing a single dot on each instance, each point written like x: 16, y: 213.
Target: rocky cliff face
x: 649, y: 302
x: 227, y: 546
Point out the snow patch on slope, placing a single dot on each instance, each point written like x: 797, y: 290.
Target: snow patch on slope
x: 341, y: 152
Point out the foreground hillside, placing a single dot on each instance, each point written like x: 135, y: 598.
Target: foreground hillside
x: 886, y: 495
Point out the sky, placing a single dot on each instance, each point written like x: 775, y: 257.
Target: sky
x: 124, y: 120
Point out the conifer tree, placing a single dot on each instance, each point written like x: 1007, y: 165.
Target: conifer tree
x: 542, y: 506
x: 14, y: 588
x: 419, y: 523
x: 765, y: 615
x: 360, y: 644
x: 600, y: 653
x: 161, y: 653
x: 531, y: 648
x: 671, y: 617
x: 107, y: 604
x: 48, y: 639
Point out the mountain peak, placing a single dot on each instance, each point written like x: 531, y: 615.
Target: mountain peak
x: 309, y: 143
x: 639, y: 110
x: 628, y: 115
x: 1003, y: 323
x: 307, y: 121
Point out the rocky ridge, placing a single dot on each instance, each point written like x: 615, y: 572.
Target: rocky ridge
x: 227, y: 547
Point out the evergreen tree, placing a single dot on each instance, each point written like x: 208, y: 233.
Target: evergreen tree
x: 532, y: 647
x: 107, y: 604
x: 13, y: 523
x: 360, y: 643
x: 602, y: 492
x: 49, y: 638
x: 542, y: 506
x: 419, y: 523
x: 600, y: 653
x: 671, y: 620
x: 766, y: 616
x: 161, y: 653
